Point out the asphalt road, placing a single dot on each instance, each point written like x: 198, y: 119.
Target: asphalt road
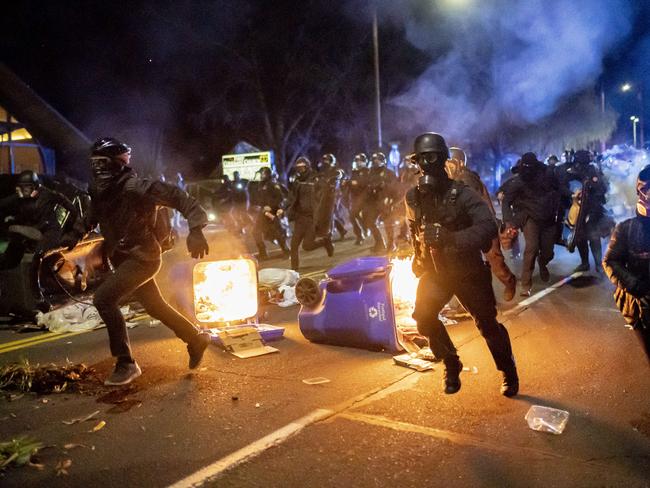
x: 374, y: 424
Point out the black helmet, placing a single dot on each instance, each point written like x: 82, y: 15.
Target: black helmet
x: 28, y: 177
x: 379, y: 158
x: 109, y: 147
x: 329, y: 159
x: 27, y: 183
x: 582, y: 157
x: 265, y: 173
x: 430, y: 142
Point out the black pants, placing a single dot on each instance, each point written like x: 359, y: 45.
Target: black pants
x: 270, y: 229
x: 356, y: 218
x: 304, y: 233
x: 134, y: 276
x: 474, y: 291
x: 371, y: 213
x: 584, y: 245
x: 540, y: 239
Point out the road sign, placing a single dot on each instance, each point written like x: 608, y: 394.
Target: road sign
x: 247, y: 163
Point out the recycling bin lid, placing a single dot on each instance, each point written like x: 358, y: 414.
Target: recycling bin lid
x: 359, y: 267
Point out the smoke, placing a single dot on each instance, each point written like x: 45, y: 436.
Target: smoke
x: 503, y: 62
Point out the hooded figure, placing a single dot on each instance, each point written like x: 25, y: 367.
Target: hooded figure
x: 627, y: 264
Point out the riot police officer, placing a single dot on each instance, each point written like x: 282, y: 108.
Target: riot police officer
x: 627, y: 264
x: 381, y: 197
x: 451, y: 225
x: 355, y: 195
x: 125, y: 207
x: 302, y: 208
x: 268, y: 202
x: 457, y: 170
x: 36, y: 220
x: 597, y: 224
x: 329, y: 180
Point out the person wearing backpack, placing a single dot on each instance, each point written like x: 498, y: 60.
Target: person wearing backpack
x: 450, y: 225
x: 126, y: 207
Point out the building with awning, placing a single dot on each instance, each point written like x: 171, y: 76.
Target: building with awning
x: 33, y: 135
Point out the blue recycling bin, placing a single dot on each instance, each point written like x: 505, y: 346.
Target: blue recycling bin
x: 354, y: 308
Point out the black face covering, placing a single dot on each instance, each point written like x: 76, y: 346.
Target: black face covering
x: 105, y: 171
x: 302, y: 173
x: 435, y: 177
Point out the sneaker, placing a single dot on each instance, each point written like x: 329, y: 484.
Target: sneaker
x: 123, y: 374
x: 197, y: 347
x: 510, y: 385
x: 329, y: 247
x: 544, y: 274
x: 526, y: 291
x: 581, y: 267
x: 510, y: 289
x: 451, y: 376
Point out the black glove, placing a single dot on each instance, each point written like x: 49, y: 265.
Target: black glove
x: 69, y: 241
x: 197, y: 246
x: 436, y: 236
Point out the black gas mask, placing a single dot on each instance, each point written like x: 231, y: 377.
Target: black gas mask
x: 434, y: 178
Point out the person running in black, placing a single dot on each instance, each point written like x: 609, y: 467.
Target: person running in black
x: 303, y: 206
x: 268, y: 201
x: 451, y: 225
x: 355, y: 195
x: 381, y: 197
x: 125, y: 207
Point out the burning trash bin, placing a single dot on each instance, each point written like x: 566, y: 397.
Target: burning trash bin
x: 223, y: 295
x: 364, y: 303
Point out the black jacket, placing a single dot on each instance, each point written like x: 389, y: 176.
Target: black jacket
x: 304, y: 198
x: 126, y: 213
x: 536, y: 199
x: 39, y: 212
x: 627, y: 264
x: 382, y: 183
x: 462, y: 212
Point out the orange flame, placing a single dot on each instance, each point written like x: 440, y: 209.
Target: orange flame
x: 225, y: 291
x: 404, y: 286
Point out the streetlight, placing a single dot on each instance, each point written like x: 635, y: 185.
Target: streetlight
x: 635, y: 120
x: 626, y: 87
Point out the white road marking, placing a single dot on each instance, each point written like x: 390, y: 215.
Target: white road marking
x: 521, y: 306
x: 252, y: 450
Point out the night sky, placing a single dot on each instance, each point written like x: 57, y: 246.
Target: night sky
x: 184, y: 81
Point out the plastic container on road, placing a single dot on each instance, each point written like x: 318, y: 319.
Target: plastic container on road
x: 547, y: 419
x: 352, y: 307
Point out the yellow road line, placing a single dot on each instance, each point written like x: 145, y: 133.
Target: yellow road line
x: 34, y: 341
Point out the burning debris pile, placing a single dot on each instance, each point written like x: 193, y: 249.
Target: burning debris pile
x: 24, y: 377
x: 225, y: 291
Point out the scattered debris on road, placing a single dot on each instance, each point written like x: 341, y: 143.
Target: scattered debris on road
x: 25, y: 377
x: 18, y: 452
x: 61, y: 468
x: 547, y: 419
x: 81, y: 419
x: 319, y: 380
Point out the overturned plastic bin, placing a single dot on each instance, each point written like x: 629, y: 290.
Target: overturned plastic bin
x: 352, y: 307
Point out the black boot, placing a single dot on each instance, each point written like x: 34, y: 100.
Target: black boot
x: 329, y: 247
x: 451, y: 376
x: 510, y: 385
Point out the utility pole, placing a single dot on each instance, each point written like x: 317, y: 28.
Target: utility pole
x: 375, y: 41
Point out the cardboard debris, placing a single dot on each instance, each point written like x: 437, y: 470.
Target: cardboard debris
x: 245, y: 342
x: 316, y: 381
x: 413, y: 362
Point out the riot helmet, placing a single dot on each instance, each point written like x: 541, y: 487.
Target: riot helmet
x: 378, y: 160
x: 360, y: 160
x: 108, y: 156
x: 582, y: 157
x: 265, y: 174
x: 302, y: 167
x: 27, y: 184
x: 552, y: 160
x: 527, y: 166
x: 328, y: 160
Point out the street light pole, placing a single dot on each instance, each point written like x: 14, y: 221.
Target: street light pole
x: 375, y: 41
x: 635, y: 120
x: 626, y: 87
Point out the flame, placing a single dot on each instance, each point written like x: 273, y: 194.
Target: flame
x: 225, y: 291
x: 404, y: 284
